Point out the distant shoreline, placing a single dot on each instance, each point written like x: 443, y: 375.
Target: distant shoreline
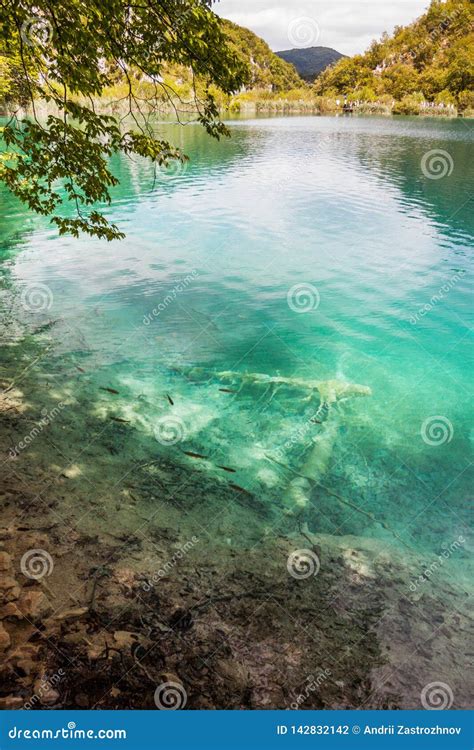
x: 290, y: 108
x: 265, y: 106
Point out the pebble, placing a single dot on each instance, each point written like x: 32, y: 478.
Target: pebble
x: 47, y: 695
x: 5, y: 561
x: 72, y: 614
x: 10, y: 610
x: 25, y: 658
x: 10, y: 702
x: 124, y: 639
x: 4, y: 639
x: 7, y: 582
x: 34, y: 605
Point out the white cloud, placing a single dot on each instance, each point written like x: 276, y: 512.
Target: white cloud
x: 347, y: 25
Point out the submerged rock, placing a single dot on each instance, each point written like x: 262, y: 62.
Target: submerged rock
x: 11, y: 702
x: 5, y: 640
x: 34, y: 605
x: 10, y: 610
x: 5, y: 561
x: 47, y: 695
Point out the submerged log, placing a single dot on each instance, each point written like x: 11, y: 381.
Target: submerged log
x: 330, y: 391
x: 316, y: 458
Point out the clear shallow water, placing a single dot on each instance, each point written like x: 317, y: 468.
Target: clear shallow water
x: 202, y: 280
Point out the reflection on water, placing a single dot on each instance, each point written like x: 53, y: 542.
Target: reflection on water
x: 203, y: 280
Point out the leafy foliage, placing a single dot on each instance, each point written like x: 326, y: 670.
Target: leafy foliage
x: 65, y: 53
x: 431, y: 59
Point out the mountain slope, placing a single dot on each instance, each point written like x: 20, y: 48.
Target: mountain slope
x: 267, y: 70
x: 310, y: 61
x: 432, y: 59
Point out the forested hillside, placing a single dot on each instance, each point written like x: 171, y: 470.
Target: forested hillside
x: 425, y: 67
x: 430, y: 60
x: 310, y: 61
x: 267, y: 70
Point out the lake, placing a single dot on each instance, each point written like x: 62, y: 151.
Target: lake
x: 255, y: 282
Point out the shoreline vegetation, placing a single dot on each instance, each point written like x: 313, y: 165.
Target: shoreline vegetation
x: 424, y: 69
x: 255, y: 102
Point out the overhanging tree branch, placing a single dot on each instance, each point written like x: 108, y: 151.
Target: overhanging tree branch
x: 69, y: 53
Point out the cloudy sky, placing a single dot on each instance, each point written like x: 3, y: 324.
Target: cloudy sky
x: 347, y: 25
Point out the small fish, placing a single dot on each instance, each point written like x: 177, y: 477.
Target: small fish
x: 240, y: 489
x: 194, y: 455
x: 46, y: 326
x: 227, y: 390
x: 170, y: 399
x: 119, y: 419
x: 317, y: 421
x: 196, y: 314
x: 110, y: 390
x: 81, y: 369
x: 226, y: 468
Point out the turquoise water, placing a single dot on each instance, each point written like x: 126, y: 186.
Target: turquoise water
x: 209, y: 277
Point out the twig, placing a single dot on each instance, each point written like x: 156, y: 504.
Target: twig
x: 31, y: 364
x: 342, y: 500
